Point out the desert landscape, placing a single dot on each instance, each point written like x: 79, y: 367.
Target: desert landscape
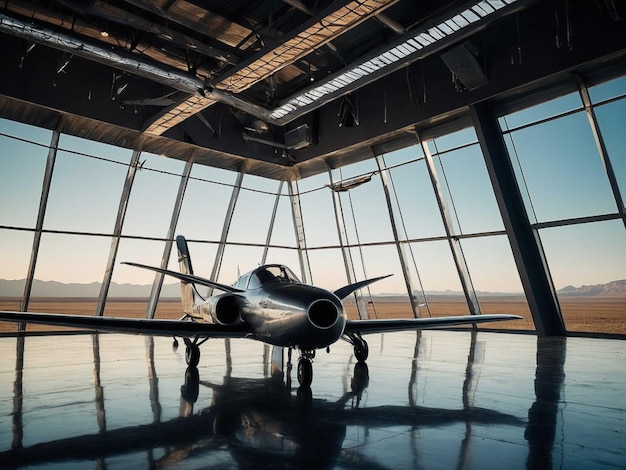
x: 581, y: 314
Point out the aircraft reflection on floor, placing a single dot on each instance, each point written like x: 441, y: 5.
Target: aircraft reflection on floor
x: 259, y: 421
x: 263, y: 422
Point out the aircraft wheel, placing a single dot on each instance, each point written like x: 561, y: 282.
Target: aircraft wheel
x: 305, y: 372
x: 192, y: 355
x: 361, y: 350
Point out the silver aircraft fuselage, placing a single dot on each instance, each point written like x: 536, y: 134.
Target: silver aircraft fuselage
x: 282, y: 313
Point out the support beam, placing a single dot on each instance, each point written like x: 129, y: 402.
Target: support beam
x: 228, y: 218
x: 117, y: 232
x: 43, y: 204
x: 169, y: 239
x: 270, y: 229
x: 400, y: 245
x: 298, y: 225
x: 453, y: 240
x: 524, y: 239
x: 345, y: 250
x: 604, y: 155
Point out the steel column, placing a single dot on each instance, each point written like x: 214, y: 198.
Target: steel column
x: 524, y: 239
x: 169, y: 239
x: 298, y: 225
x: 117, y: 232
x: 455, y: 244
x: 43, y: 203
x: 345, y: 250
x: 400, y: 245
x: 228, y: 218
x: 270, y: 229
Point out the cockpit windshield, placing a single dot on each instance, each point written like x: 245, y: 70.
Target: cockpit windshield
x: 273, y: 272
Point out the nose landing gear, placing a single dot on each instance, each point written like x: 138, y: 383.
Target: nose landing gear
x: 305, y: 368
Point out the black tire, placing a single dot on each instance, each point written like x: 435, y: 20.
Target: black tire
x: 192, y: 355
x: 305, y: 372
x: 361, y: 351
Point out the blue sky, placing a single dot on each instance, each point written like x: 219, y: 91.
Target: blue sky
x: 557, y: 163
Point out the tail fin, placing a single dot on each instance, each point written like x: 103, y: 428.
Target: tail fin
x: 187, y: 290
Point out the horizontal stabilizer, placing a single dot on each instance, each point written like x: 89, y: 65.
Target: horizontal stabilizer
x: 349, y: 289
x: 131, y: 325
x: 383, y: 326
x: 187, y: 277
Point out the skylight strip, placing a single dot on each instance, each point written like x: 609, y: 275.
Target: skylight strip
x: 496, y: 4
x: 452, y: 25
x: 470, y: 16
x: 462, y: 22
x: 411, y: 45
x: 484, y: 5
x: 436, y: 33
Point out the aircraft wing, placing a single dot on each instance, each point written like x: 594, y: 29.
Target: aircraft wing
x: 399, y: 324
x: 187, y: 277
x: 131, y: 325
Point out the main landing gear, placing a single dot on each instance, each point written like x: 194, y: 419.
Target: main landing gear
x: 192, y: 350
x: 361, y: 349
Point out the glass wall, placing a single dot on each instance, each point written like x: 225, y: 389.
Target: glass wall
x: 573, y: 184
x: 426, y: 214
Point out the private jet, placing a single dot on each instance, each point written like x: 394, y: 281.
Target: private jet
x: 268, y: 304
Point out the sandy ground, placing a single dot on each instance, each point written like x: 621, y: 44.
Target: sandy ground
x: 581, y: 314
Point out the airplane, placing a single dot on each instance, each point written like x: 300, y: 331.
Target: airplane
x: 269, y: 304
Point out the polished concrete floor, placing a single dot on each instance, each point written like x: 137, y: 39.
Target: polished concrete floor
x: 439, y: 399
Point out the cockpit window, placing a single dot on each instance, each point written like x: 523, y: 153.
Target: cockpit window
x: 270, y: 273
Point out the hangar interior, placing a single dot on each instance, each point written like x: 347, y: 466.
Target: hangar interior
x: 467, y: 147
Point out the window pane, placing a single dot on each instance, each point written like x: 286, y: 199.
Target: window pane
x: 608, y: 90
x: 586, y: 260
x: 451, y: 141
x: 440, y: 279
x: 541, y: 111
x: 85, y: 192
x: 420, y: 213
x: 152, y: 197
x: 15, y: 249
x: 22, y: 168
x: 496, y: 280
x: 320, y: 224
x: 238, y: 260
x: 205, y: 203
x: 365, y: 213
x: 562, y: 169
x: 389, y: 298
x: 69, y: 259
x: 252, y: 217
x: 471, y: 201
x: 327, y: 269
x: 283, y: 233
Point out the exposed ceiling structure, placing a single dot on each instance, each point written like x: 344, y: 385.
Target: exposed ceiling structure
x: 285, y: 89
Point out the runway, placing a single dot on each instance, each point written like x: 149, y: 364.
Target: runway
x: 436, y: 399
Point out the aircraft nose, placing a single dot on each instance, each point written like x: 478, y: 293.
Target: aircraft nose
x: 323, y: 313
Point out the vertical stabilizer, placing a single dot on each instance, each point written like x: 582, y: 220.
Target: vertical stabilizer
x: 187, y: 290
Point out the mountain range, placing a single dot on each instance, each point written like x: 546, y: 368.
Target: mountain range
x: 15, y: 288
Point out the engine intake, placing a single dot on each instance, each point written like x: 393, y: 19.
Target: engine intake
x: 323, y: 313
x: 224, y: 309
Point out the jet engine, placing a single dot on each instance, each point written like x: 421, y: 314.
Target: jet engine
x: 224, y: 309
